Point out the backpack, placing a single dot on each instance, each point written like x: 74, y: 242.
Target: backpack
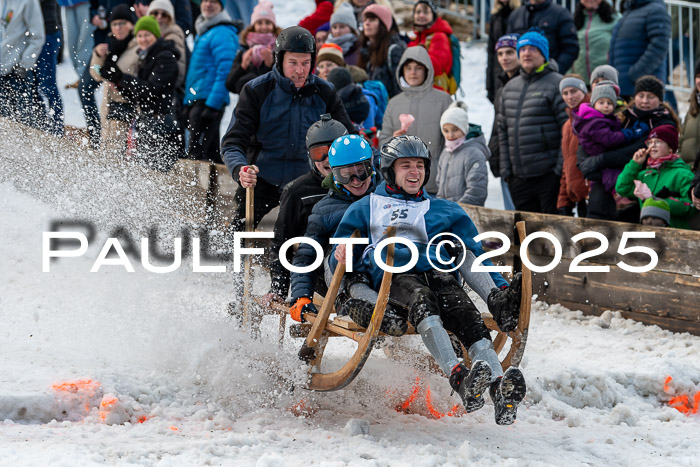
x: 454, y: 77
x: 377, y: 90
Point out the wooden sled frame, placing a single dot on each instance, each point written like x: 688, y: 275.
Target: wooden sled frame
x: 322, y: 329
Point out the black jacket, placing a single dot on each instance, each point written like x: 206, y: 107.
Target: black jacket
x: 355, y: 102
x: 494, y: 160
x: 529, y: 124
x: 270, y: 124
x: 152, y: 89
x: 498, y: 27
x: 296, y: 202
x: 557, y: 24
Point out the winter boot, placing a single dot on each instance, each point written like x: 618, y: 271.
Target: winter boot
x: 504, y: 304
x: 471, y: 385
x: 506, y: 393
x: 361, y: 312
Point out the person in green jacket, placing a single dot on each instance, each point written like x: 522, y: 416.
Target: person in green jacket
x: 658, y: 171
x: 594, y: 20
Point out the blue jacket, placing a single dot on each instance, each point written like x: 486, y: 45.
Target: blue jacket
x: 214, y: 50
x: 557, y: 24
x: 323, y: 221
x: 270, y: 122
x: 639, y: 43
x: 443, y: 216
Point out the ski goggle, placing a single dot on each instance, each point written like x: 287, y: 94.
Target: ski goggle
x: 319, y: 153
x: 362, y: 171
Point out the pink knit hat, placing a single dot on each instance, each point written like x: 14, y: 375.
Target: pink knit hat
x: 263, y: 10
x: 381, y: 12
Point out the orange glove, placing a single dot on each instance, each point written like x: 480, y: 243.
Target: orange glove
x: 301, y: 306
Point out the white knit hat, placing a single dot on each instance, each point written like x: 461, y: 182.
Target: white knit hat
x: 457, y: 115
x: 164, y: 5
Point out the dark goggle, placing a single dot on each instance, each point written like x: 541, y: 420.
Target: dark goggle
x: 319, y: 153
x: 362, y: 171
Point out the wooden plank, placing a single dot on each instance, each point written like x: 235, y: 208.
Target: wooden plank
x: 655, y: 294
x: 669, y: 323
x: 678, y: 250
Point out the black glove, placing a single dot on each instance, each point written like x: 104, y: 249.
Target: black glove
x: 504, y: 304
x: 590, y: 165
x: 209, y: 114
x: 455, y: 250
x: 111, y: 72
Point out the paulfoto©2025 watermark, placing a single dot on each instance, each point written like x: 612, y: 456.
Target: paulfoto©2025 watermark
x: 74, y: 243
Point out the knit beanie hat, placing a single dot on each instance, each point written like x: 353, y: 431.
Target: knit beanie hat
x: 650, y: 83
x: 324, y: 27
x: 344, y: 15
x: 147, y: 23
x: 536, y: 39
x: 164, y: 5
x: 358, y: 74
x: 572, y: 82
x: 263, y: 10
x: 602, y: 91
x: 509, y: 40
x: 607, y: 82
x: 340, y: 77
x: 655, y: 207
x: 605, y: 71
x: 122, y: 12
x: 381, y: 12
x: 331, y: 52
x: 457, y: 115
x: 667, y: 134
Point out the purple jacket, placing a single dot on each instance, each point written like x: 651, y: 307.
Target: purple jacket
x: 596, y: 131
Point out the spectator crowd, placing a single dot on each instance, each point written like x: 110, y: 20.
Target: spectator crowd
x: 584, y: 124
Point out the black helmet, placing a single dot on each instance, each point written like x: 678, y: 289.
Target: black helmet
x: 319, y: 138
x: 401, y: 147
x: 324, y: 131
x: 294, y: 39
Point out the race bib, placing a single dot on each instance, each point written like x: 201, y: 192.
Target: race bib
x: 407, y: 216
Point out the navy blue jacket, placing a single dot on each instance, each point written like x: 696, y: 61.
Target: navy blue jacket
x: 443, y: 216
x: 557, y: 24
x: 639, y: 43
x: 323, y: 221
x: 270, y: 122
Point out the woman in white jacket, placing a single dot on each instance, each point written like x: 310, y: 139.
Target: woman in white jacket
x: 421, y: 100
x: 462, y: 173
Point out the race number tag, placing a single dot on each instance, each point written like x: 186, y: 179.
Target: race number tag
x: 407, y: 216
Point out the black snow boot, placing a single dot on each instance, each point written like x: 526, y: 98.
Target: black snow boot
x: 506, y: 393
x: 471, y: 385
x: 361, y: 312
x: 504, y: 304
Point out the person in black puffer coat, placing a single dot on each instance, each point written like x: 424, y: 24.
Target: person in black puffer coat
x: 649, y: 108
x: 498, y: 25
x: 557, y: 24
x: 529, y: 128
x: 354, y: 100
x: 152, y: 91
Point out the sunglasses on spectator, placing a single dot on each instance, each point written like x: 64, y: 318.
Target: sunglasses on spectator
x: 319, y: 153
x: 158, y: 13
x: 118, y: 24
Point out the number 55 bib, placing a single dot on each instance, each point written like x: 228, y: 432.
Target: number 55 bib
x: 407, y: 216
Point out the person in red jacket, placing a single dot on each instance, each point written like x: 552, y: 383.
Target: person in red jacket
x: 573, y: 188
x: 322, y: 15
x: 433, y: 33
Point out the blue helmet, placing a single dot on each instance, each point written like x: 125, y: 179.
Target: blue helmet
x: 350, y: 151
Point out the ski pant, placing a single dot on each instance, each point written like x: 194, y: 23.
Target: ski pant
x: 46, y: 84
x: 439, y: 293
x: 205, y: 138
x: 535, y: 194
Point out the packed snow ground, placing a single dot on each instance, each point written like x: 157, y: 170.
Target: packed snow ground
x: 173, y: 382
